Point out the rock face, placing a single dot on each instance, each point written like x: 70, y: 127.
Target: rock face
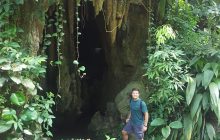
x: 125, y: 58
x: 123, y: 25
x: 122, y: 99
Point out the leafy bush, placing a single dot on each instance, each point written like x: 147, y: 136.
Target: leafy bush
x: 23, y: 111
x: 186, y: 63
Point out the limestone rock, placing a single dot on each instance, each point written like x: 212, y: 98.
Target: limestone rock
x: 122, y: 99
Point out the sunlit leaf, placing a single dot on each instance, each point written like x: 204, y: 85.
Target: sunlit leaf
x: 205, y: 101
x: 166, y: 131
x: 75, y: 62
x: 158, y: 122
x: 29, y: 115
x: 214, y: 93
x: 82, y: 68
x: 6, y: 67
x: 199, y: 79
x: 8, y: 114
x: 4, y: 126
x: 187, y: 127
x: 211, y: 131
x: 2, y: 81
x: 17, y: 98
x: 28, y: 83
x: 18, y: 67
x: 17, y: 80
x: 27, y: 132
x: 190, y: 90
x: 176, y: 125
x: 195, y: 104
x: 207, y: 77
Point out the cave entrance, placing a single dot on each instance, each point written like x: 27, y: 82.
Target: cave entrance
x: 91, y: 55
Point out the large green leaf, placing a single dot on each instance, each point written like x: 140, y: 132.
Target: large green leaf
x: 218, y: 83
x: 18, y: 98
x: 194, y: 60
x: 217, y: 111
x: 176, y: 125
x: 166, y: 131
x: 18, y: 67
x: 187, y: 127
x: 207, y: 77
x: 205, y: 101
x: 17, y: 80
x: 195, y: 104
x: 8, y: 114
x: 190, y: 90
x: 158, y: 122
x: 6, y: 66
x: 210, y: 130
x: 214, y: 93
x: 29, y: 115
x: 199, y: 79
x: 2, y: 81
x: 28, y: 83
x: 215, y: 67
x: 4, y: 126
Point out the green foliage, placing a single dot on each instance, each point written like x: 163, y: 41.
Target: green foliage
x: 185, y: 58
x: 162, y: 124
x: 23, y: 111
x: 109, y: 138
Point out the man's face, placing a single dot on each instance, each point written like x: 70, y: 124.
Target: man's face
x: 135, y: 94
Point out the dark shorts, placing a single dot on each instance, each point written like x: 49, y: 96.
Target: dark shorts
x: 137, y: 130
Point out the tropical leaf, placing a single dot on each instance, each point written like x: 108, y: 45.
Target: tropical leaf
x: 166, y: 131
x: 158, y: 122
x: 4, y: 126
x: 199, y: 79
x: 176, y: 125
x: 207, y: 77
x: 29, y: 115
x: 82, y: 68
x: 17, y: 98
x: 214, y: 93
x: 210, y: 130
x: 195, y: 104
x: 187, y: 127
x: 205, y: 101
x: 218, y: 83
x: 27, y: 132
x: 6, y: 67
x: 2, y: 81
x: 190, y: 90
x: 8, y: 114
x: 194, y: 60
x: 17, y: 80
x: 215, y: 67
x: 18, y: 67
x: 28, y: 83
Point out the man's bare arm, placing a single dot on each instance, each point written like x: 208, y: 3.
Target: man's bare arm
x: 129, y: 116
x: 146, y: 117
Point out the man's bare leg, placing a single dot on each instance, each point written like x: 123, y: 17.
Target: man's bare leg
x: 124, y: 135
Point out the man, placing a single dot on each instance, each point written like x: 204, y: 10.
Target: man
x: 138, y: 117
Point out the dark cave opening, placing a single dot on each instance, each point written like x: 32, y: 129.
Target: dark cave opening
x: 91, y: 55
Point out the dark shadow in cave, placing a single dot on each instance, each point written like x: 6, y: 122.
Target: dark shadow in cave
x: 91, y: 55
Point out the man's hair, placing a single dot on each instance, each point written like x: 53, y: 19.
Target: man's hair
x: 135, y: 89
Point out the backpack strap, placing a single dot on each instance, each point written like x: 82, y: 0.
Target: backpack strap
x: 141, y: 107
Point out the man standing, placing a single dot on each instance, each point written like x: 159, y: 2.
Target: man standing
x: 138, y: 117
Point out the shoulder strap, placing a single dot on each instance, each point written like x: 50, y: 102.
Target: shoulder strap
x: 141, y: 105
